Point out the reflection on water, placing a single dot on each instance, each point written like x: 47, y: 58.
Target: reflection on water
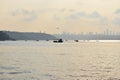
x: 41, y: 60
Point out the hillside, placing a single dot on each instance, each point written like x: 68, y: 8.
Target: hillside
x: 4, y: 36
x: 8, y: 35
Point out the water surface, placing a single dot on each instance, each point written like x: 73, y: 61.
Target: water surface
x: 42, y: 60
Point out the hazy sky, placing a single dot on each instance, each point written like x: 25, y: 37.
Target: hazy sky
x: 55, y: 16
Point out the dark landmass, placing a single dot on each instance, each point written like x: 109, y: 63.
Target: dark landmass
x: 4, y: 36
x: 9, y: 35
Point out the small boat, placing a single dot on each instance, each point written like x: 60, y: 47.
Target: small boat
x: 47, y: 40
x: 37, y: 40
x: 76, y: 40
x: 58, y: 41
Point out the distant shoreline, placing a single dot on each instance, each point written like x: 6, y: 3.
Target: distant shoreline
x: 14, y: 36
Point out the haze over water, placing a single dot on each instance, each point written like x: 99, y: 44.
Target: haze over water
x: 31, y: 60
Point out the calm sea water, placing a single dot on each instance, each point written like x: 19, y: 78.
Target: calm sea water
x: 42, y: 60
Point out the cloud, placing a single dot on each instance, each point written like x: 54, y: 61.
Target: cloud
x: 71, y: 10
x: 56, y: 18
x: 116, y: 21
x: 63, y: 9
x: 46, y: 10
x: 26, y: 15
x: 94, y: 15
x: 117, y: 11
x: 76, y: 15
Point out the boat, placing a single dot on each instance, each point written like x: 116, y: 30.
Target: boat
x: 37, y: 40
x: 76, y: 40
x: 58, y: 41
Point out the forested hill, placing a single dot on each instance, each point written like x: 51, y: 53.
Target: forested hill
x: 4, y: 36
x: 8, y: 35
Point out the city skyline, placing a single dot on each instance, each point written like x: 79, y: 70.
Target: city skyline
x: 54, y: 16
x: 104, y: 35
x: 104, y: 32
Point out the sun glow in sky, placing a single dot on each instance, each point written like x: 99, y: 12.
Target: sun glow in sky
x: 57, y: 16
